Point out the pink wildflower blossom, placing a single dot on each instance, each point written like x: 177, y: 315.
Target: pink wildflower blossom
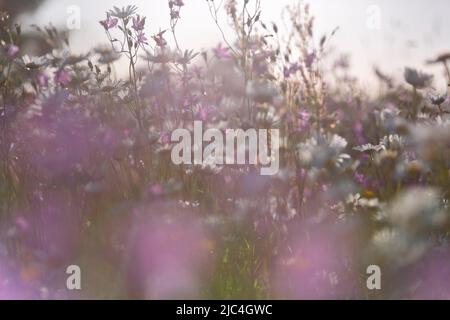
x: 221, y: 53
x: 109, y: 23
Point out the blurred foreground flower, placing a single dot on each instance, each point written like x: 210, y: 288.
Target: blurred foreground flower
x: 318, y: 266
x: 417, y: 79
x: 62, y: 77
x: 169, y: 256
x: 412, y: 215
x: 13, y: 51
x: 221, y: 52
x: 428, y: 279
x: 324, y: 151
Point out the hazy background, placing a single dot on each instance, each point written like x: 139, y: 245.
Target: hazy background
x: 411, y: 31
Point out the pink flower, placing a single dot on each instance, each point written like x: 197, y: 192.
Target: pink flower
x: 429, y: 275
x: 203, y: 113
x: 228, y: 179
x: 138, y: 23
x: 293, y: 68
x: 175, y: 3
x: 141, y: 38
x: 303, y: 120
x: 42, y: 79
x: 197, y: 71
x: 361, y: 179
x: 127, y: 132
x: 315, y: 267
x: 12, y: 51
x: 12, y: 287
x: 168, y: 257
x: 221, y: 53
x: 22, y: 223
x: 57, y: 219
x: 178, y: 3
x: 62, y: 77
x: 159, y: 39
x: 358, y: 130
x: 309, y: 60
x: 304, y: 115
x: 157, y: 190
x: 165, y: 138
x: 174, y: 14
x: 109, y: 22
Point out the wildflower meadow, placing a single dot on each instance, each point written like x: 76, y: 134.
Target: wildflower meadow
x: 257, y: 168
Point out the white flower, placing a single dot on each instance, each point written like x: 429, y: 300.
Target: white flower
x: 338, y: 143
x: 357, y: 201
x: 123, y: 12
x: 393, y: 142
x: 370, y: 148
x: 323, y: 152
x: 397, y: 247
x: 416, y: 209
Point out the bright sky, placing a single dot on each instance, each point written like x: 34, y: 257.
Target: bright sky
x: 410, y: 31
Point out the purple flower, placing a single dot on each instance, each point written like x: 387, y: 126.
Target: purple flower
x: 159, y: 39
x: 315, y: 268
x: 293, y: 68
x: 57, y: 217
x: 12, y: 51
x: 197, y: 71
x: 109, y: 22
x: 309, y: 60
x: 169, y: 256
x: 42, y: 79
x: 429, y: 275
x: 303, y: 120
x: 138, y: 23
x: 304, y: 115
x: 174, y: 14
x: 141, y: 38
x: 62, y: 77
x: 221, y: 53
x: 177, y: 3
x: 358, y: 129
x: 64, y: 140
x: 203, y: 113
x: 165, y: 138
x: 13, y: 284
x: 157, y: 190
x: 22, y: 223
x: 361, y: 179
